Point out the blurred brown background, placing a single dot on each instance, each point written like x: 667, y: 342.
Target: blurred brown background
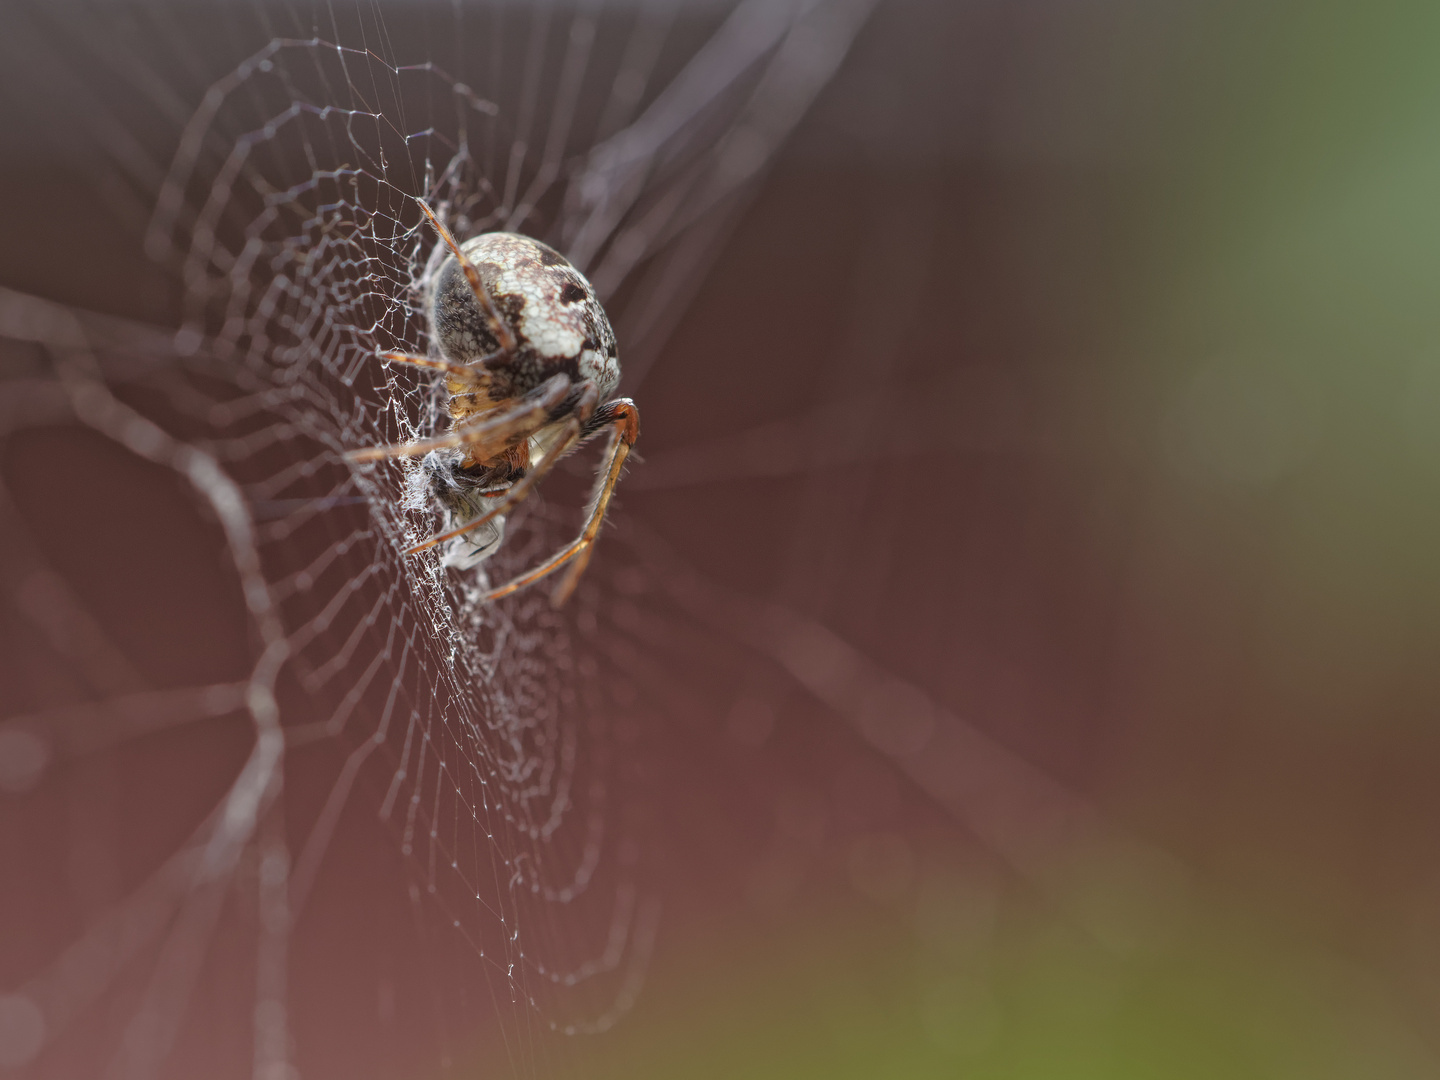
x: 1068, y: 390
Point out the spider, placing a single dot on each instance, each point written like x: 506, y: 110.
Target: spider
x: 530, y: 363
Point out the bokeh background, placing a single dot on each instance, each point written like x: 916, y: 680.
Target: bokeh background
x: 1058, y: 439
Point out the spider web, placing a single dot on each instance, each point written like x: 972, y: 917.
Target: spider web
x: 280, y: 201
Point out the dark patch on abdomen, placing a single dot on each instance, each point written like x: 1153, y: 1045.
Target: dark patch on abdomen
x: 549, y: 256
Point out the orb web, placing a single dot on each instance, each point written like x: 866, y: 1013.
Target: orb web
x: 284, y: 211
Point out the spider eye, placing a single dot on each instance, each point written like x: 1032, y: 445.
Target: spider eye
x: 572, y: 293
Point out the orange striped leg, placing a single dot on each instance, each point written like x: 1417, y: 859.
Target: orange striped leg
x: 498, y: 326
x: 475, y: 374
x: 625, y: 417
x: 494, y: 432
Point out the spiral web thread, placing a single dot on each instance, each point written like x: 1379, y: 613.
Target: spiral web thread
x: 288, y: 213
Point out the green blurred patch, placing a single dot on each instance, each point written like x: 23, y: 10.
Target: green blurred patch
x: 851, y: 994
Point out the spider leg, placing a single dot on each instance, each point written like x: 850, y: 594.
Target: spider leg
x: 571, y: 435
x: 490, y: 434
x: 474, y: 374
x: 625, y: 420
x: 503, y: 334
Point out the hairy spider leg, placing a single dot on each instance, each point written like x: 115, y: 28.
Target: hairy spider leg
x: 497, y: 325
x: 574, y: 425
x: 491, y: 433
x: 625, y: 418
x: 475, y: 373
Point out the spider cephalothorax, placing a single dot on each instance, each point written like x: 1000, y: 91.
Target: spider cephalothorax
x: 530, y: 363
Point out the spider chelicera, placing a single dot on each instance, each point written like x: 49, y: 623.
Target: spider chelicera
x: 530, y: 363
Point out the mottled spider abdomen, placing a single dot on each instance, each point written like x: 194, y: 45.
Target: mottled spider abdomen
x: 558, y: 323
